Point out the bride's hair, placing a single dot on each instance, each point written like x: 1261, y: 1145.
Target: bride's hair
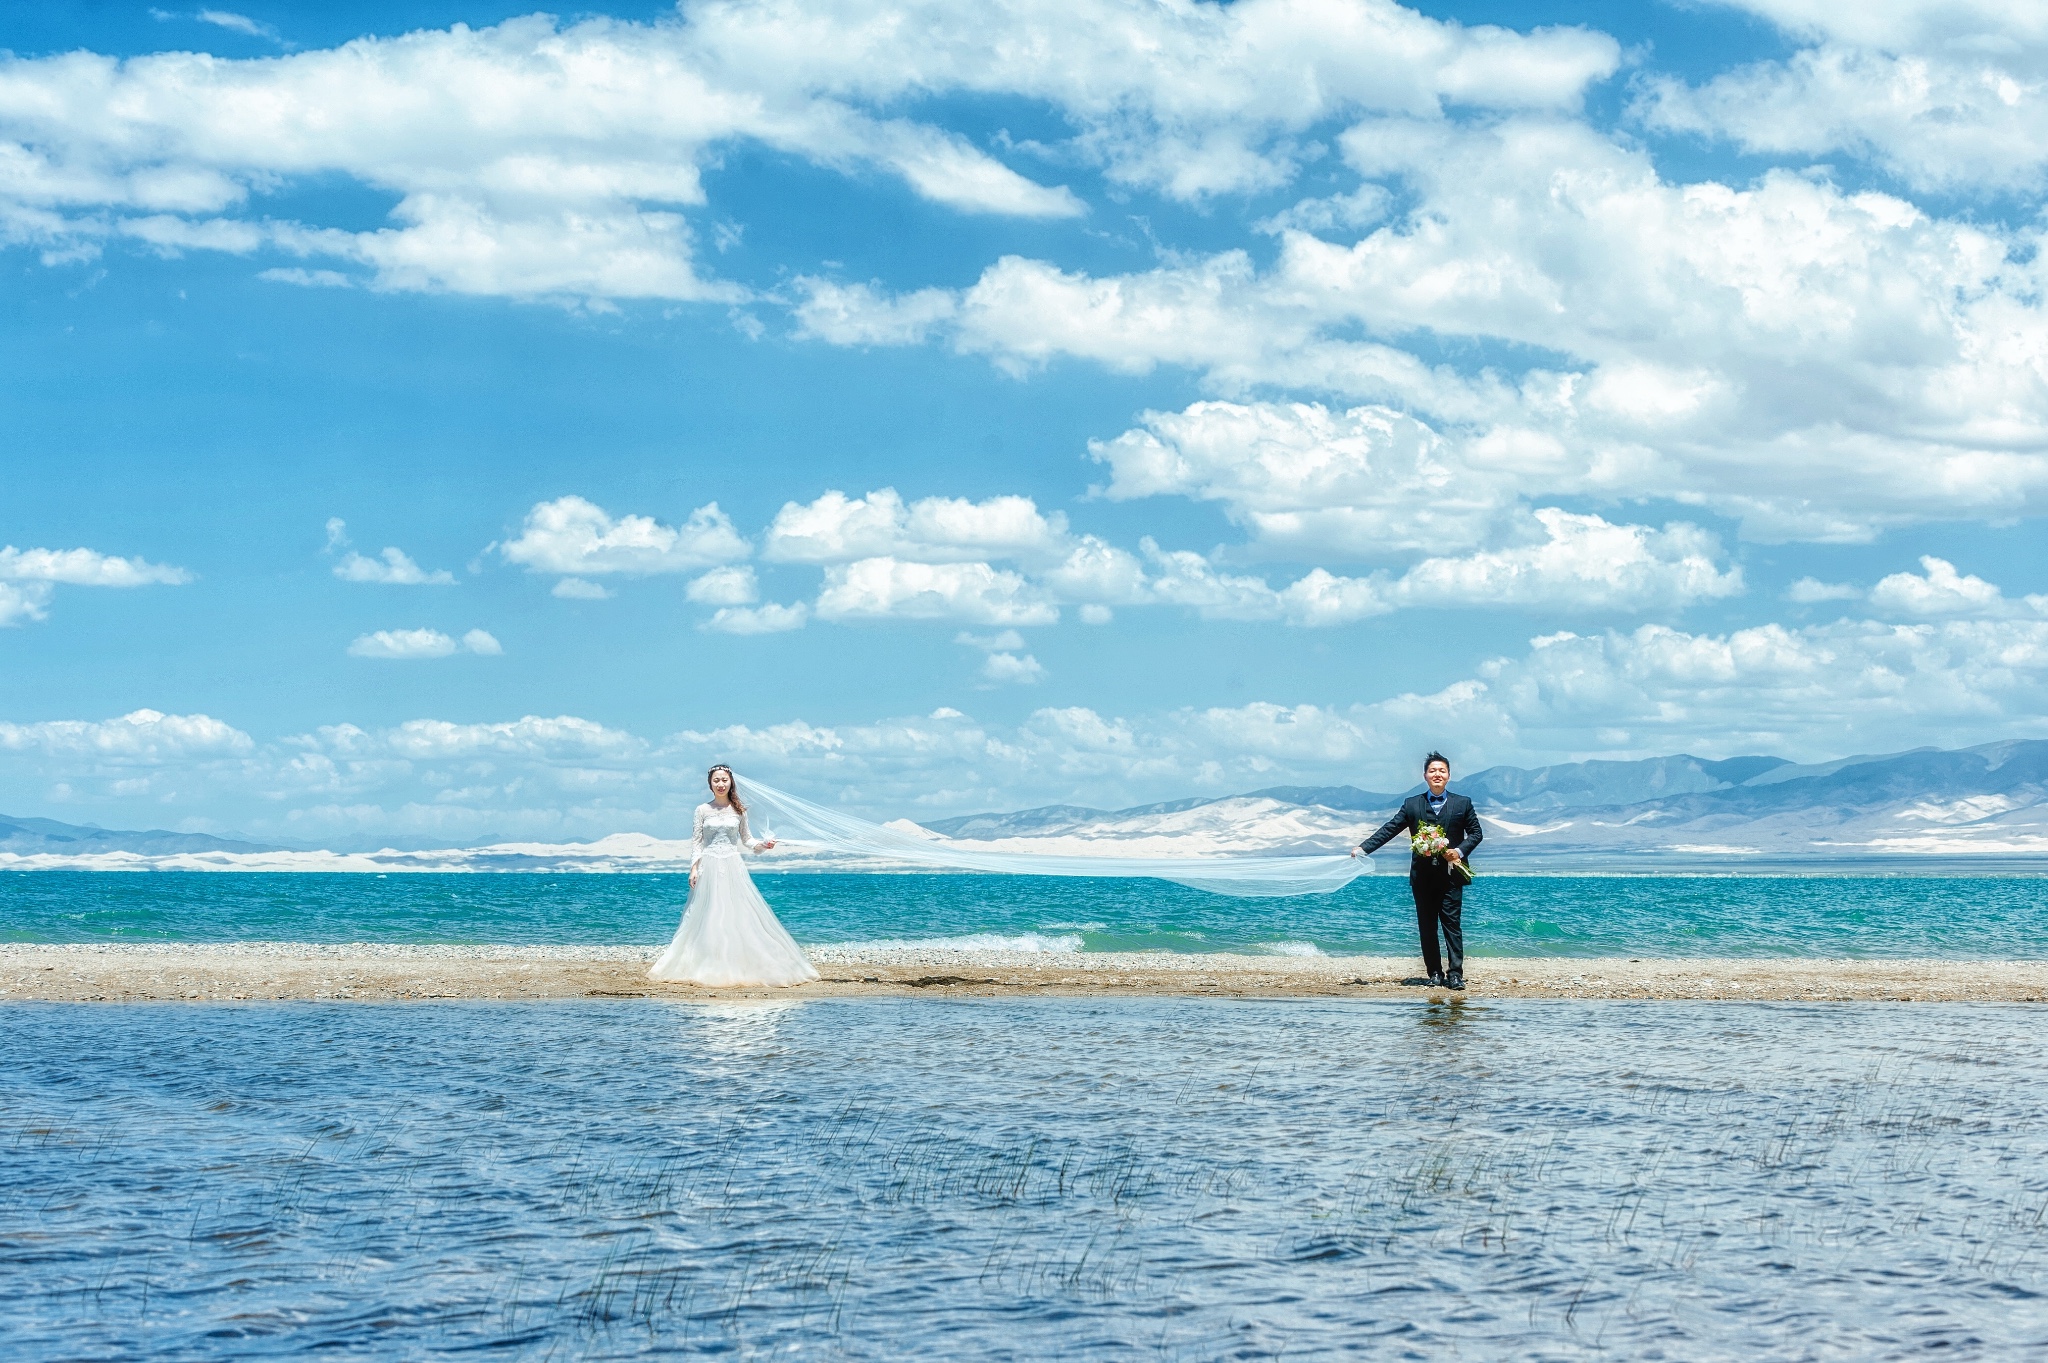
x: 732, y: 792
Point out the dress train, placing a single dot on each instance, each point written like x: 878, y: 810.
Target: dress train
x: 729, y: 936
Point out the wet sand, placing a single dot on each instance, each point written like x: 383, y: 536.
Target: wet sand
x: 381, y: 973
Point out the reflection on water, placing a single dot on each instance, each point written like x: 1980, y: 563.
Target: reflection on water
x: 1443, y: 1015
x: 1131, y: 1178
x: 747, y: 1029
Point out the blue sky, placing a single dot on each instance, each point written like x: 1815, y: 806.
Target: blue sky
x: 439, y: 422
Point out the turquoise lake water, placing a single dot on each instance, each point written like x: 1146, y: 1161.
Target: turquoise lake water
x: 1049, y: 1179
x: 1976, y: 917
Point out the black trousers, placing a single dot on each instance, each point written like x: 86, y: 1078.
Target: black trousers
x: 1439, y: 906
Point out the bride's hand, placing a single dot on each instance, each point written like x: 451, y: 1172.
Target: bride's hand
x: 693, y: 877
x: 768, y: 846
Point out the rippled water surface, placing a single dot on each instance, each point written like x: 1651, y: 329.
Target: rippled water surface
x: 1956, y: 917
x: 1135, y: 1179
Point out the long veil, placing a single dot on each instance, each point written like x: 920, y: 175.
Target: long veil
x: 1250, y: 876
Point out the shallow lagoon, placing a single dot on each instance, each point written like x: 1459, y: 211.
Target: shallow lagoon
x: 910, y: 1178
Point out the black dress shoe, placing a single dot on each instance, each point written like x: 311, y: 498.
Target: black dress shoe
x: 1436, y: 979
x: 1454, y: 981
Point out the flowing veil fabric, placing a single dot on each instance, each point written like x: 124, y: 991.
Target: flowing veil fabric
x: 1250, y: 876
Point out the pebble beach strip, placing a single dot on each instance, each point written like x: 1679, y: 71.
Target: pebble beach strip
x: 386, y: 972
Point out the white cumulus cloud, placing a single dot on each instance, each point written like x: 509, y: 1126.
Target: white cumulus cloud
x: 1809, y: 693
x: 1557, y: 561
x: 1817, y: 363
x: 24, y: 601
x: 890, y: 588
x: 772, y: 618
x: 728, y: 586
x: 836, y: 528
x: 422, y: 643
x: 1850, y: 686
x: 860, y: 314
x: 576, y: 537
x: 1012, y: 669
x: 1808, y: 591
x: 1365, y: 482
x: 394, y: 567
x: 84, y: 568
x: 1005, y: 663
x: 1579, y: 561
x: 29, y: 577
x: 530, y: 736
x: 1949, y: 95
x: 139, y: 736
x: 534, y: 158
x: 402, y: 643
x: 1940, y: 590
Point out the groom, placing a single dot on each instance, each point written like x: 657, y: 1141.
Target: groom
x: 1436, y: 882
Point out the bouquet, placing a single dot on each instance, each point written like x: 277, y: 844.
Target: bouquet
x: 1428, y: 840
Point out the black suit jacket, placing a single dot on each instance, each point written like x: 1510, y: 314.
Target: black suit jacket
x: 1459, y: 820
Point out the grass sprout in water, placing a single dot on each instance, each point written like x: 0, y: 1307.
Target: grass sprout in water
x: 1145, y: 1179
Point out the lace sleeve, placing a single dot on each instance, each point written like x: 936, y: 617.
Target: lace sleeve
x: 697, y: 836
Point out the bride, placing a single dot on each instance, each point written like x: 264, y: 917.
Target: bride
x: 729, y: 935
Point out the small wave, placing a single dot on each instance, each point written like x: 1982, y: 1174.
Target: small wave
x: 1036, y: 942
x: 1290, y: 948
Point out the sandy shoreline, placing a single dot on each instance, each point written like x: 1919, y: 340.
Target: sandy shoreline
x: 371, y: 973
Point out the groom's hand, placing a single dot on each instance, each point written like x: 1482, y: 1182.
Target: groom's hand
x: 1454, y: 856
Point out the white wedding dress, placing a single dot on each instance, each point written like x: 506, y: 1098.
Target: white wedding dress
x: 729, y: 935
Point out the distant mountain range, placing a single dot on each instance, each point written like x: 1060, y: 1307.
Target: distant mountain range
x: 31, y: 837
x: 1980, y: 803
x: 1982, y: 807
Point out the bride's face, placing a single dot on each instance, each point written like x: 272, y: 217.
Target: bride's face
x: 721, y: 783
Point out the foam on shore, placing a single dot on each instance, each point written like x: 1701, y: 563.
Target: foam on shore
x: 993, y: 944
